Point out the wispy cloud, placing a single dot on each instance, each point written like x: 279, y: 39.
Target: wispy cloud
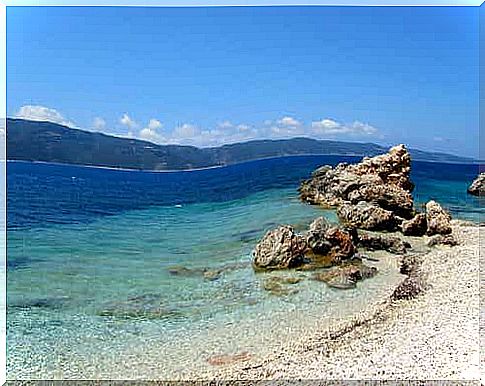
x: 150, y: 132
x: 99, y: 123
x: 42, y: 113
x: 331, y: 127
x: 127, y: 121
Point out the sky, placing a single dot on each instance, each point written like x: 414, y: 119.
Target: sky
x: 212, y: 75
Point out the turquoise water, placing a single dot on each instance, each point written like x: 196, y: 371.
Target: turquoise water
x: 101, y: 286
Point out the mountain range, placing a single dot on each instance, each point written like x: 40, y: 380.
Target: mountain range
x: 51, y: 142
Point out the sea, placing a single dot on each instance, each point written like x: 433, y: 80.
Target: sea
x: 116, y: 274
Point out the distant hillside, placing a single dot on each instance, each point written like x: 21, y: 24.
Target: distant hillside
x: 50, y: 142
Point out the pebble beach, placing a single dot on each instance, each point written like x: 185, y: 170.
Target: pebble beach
x: 434, y: 336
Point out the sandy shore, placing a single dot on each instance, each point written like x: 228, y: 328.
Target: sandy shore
x: 434, y: 336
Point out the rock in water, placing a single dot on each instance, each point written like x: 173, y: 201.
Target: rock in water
x: 342, y: 247
x: 367, y: 216
x: 477, y: 188
x: 381, y: 182
x: 280, y: 248
x: 417, y: 226
x: 345, y: 277
x: 315, y: 237
x: 391, y: 244
x: 438, y: 220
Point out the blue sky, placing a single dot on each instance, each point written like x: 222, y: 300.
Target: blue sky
x: 207, y: 76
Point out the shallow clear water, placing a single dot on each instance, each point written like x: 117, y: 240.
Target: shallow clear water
x: 147, y: 275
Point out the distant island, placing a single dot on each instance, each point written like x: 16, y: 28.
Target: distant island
x: 51, y: 142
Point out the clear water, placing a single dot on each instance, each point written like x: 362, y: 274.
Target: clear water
x: 92, y: 255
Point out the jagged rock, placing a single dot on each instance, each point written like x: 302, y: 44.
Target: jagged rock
x: 417, y: 226
x: 443, y: 240
x: 342, y: 246
x: 408, y: 289
x: 382, y: 181
x: 315, y: 237
x: 345, y: 277
x: 409, y: 264
x: 367, y: 216
x: 477, y: 188
x: 437, y: 219
x: 381, y: 242
x: 280, y: 248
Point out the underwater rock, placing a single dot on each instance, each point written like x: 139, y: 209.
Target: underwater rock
x: 278, y: 285
x: 52, y: 303
x: 438, y: 220
x: 390, y: 244
x: 280, y: 248
x: 477, y: 188
x: 347, y: 276
x: 145, y: 306
x: 382, y: 181
x: 417, y: 226
x: 225, y: 359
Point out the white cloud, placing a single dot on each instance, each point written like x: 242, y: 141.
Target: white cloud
x: 42, y: 113
x: 150, y: 132
x: 186, y: 131
x: 331, y: 127
x: 289, y: 122
x: 99, y: 123
x: 128, y: 122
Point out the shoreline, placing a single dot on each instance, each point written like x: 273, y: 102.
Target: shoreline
x: 432, y: 336
x: 478, y: 163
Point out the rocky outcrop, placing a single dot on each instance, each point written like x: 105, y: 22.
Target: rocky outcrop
x: 280, y: 248
x: 477, y: 188
x: 367, y: 216
x: 391, y: 244
x: 417, y: 226
x: 437, y: 219
x: 373, y: 194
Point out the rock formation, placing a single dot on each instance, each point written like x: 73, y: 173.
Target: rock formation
x: 477, y: 188
x: 280, y: 248
x: 373, y: 194
x: 417, y: 226
x: 437, y: 219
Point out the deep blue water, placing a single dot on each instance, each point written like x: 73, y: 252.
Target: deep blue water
x: 42, y: 194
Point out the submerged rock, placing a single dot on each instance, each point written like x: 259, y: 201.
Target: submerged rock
x: 279, y: 285
x: 382, y: 182
x: 145, y: 306
x: 437, y: 219
x: 391, y: 244
x: 280, y: 248
x: 417, y: 226
x: 347, y: 276
x: 368, y: 216
x: 477, y: 188
x: 225, y: 359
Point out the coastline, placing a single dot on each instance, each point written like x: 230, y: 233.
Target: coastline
x: 477, y: 163
x: 433, y: 336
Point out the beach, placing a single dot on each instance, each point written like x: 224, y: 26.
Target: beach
x: 434, y: 336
